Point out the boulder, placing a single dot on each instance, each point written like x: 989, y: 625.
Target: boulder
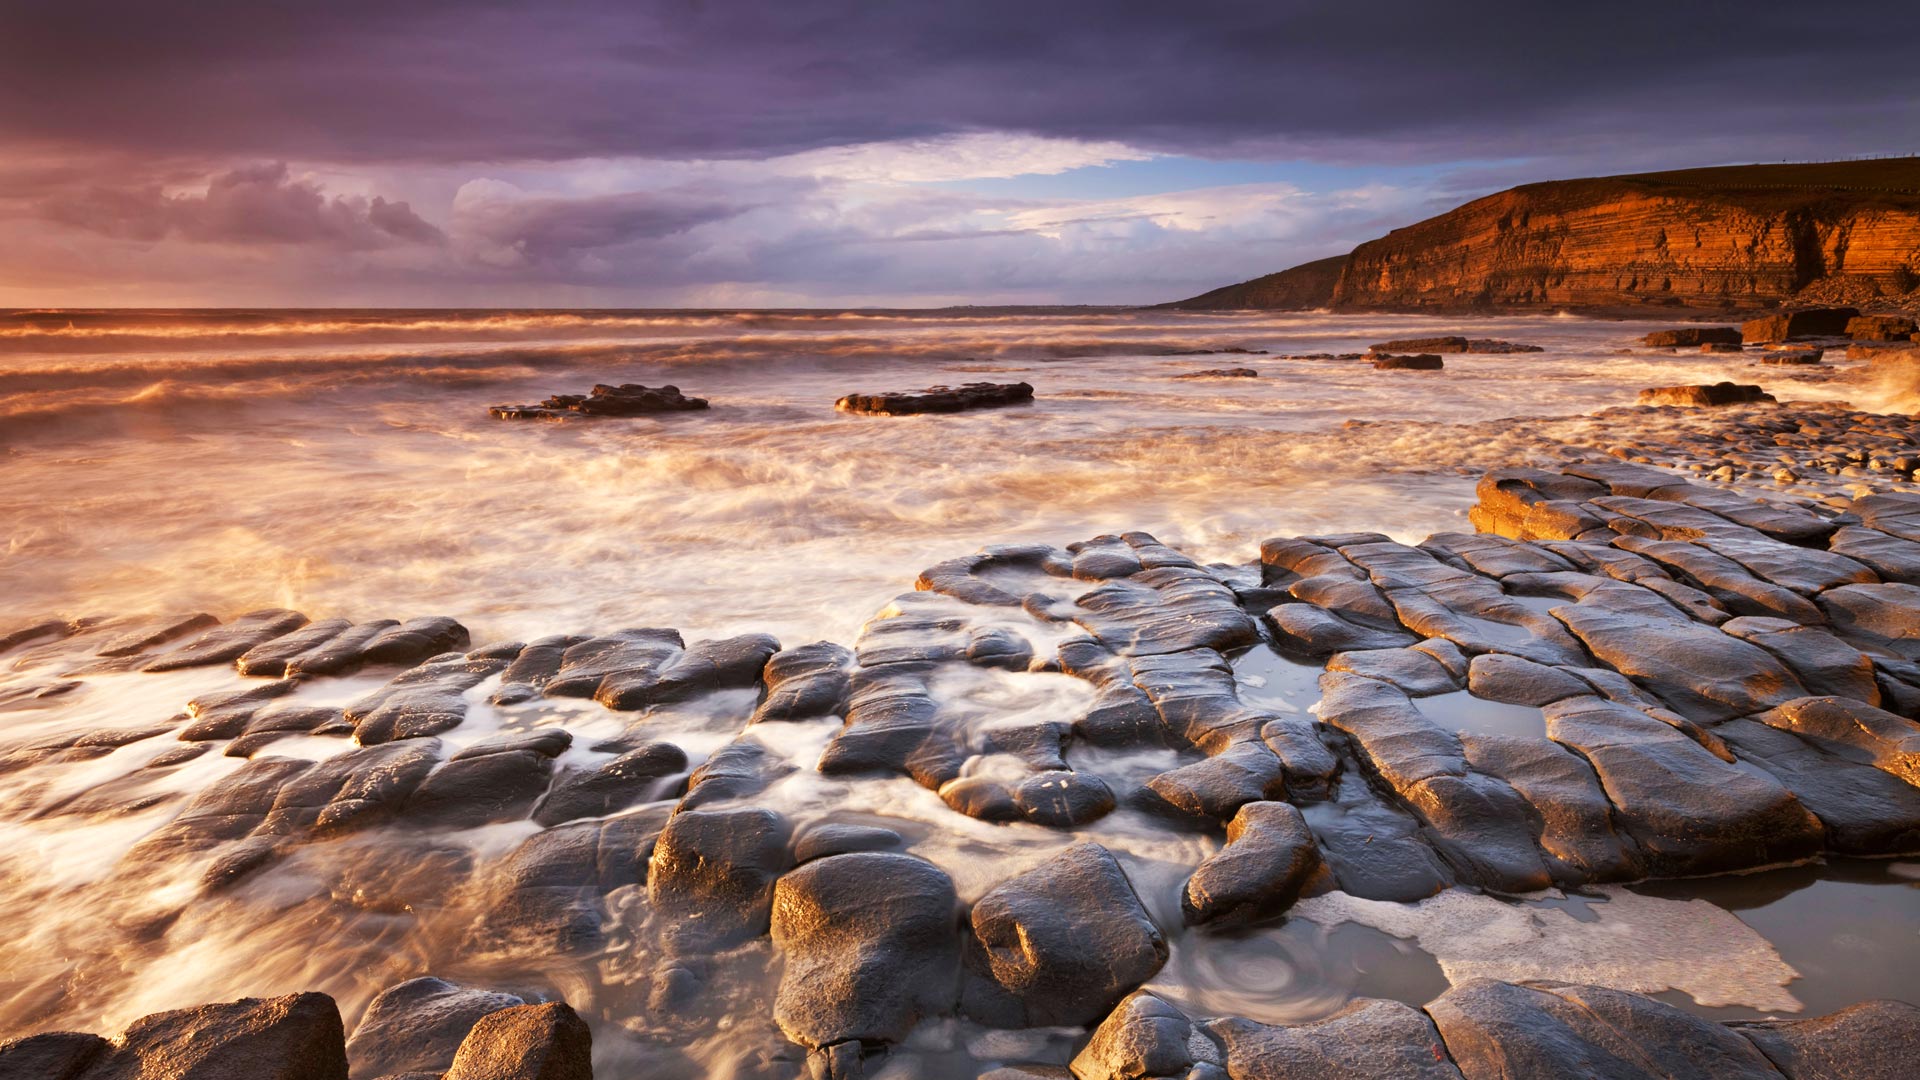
x: 1060, y: 944
x: 1687, y: 337
x: 418, y: 1025
x: 1496, y: 1031
x: 1447, y: 344
x: 1412, y: 362
x: 230, y: 641
x: 627, y: 399
x: 481, y: 790
x: 51, y: 1055
x: 1880, y: 328
x: 1269, y: 857
x: 871, y: 946
x: 1063, y: 799
x: 938, y: 399
x: 526, y: 1042
x: 713, y: 873
x: 1143, y: 1037
x: 1701, y: 395
x: 631, y: 778
x: 297, y: 1037
x: 1809, y: 322
x: 807, y: 682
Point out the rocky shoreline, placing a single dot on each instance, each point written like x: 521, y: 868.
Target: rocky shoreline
x: 1722, y: 684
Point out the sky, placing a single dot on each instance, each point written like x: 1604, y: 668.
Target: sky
x: 666, y: 153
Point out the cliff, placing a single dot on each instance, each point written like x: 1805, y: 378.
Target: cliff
x: 1751, y: 236
x: 1303, y: 288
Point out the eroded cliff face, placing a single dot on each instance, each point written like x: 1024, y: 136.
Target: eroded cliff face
x: 1750, y: 236
x: 1621, y: 244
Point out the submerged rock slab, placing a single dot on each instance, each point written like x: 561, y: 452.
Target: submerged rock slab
x: 626, y: 399
x: 1409, y: 362
x: 1703, y: 394
x: 938, y: 399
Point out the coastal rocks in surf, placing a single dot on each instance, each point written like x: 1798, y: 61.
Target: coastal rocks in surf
x: 1060, y: 944
x: 1806, y: 323
x: 1451, y: 344
x: 417, y: 1026
x: 1408, y: 362
x: 938, y: 399
x: 1222, y: 373
x: 1688, y: 337
x: 626, y: 399
x: 1702, y: 395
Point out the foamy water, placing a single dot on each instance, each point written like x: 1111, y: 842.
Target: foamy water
x: 344, y: 464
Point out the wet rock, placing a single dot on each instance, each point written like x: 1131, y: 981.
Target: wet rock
x: 1373, y: 848
x: 424, y: 701
x: 1865, y: 811
x: 228, y: 809
x: 634, y: 777
x: 1496, y: 346
x: 1701, y: 672
x: 1268, y: 859
x: 1143, y: 1037
x: 835, y: 838
x: 739, y: 769
x: 128, y: 643
x: 1356, y: 600
x: 1687, y: 337
x: 526, y: 1042
x: 1688, y: 811
x: 713, y: 872
x: 1854, y: 730
x: 1219, y: 786
x: 398, y: 877
x: 1791, y: 357
x: 481, y: 790
x: 871, y: 946
x: 1810, y: 322
x: 1369, y: 1039
x: 1725, y: 581
x: 585, y: 665
x: 1060, y: 944
x: 526, y: 676
x: 1306, y: 763
x: 418, y: 1025
x: 1881, y: 617
x: 1063, y: 799
x: 230, y: 641
x: 1576, y: 829
x: 547, y: 893
x: 1222, y: 373
x: 1308, y: 630
x: 938, y: 399
x: 548, y: 742
x: 1703, y: 395
x: 626, y: 399
x: 352, y: 790
x: 1822, y: 662
x: 703, y: 667
x: 999, y: 648
x: 340, y: 654
x: 807, y: 682
x: 1518, y: 681
x: 1412, y: 362
x: 1890, y: 557
x: 416, y: 640
x: 1446, y: 344
x: 297, y: 1037
x: 890, y: 718
x: 1166, y: 609
x: 52, y: 1055
x: 1874, y: 1040
x: 269, y: 659
x: 1498, y: 1030
x: 274, y: 723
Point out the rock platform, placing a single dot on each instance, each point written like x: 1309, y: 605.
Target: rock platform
x: 1722, y: 683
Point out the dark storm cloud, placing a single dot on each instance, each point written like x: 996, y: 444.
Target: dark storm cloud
x: 433, y: 80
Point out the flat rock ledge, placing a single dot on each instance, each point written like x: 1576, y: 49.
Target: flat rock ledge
x: 1705, y: 395
x: 1411, y: 362
x: 1222, y: 373
x: 1722, y: 683
x: 627, y: 399
x: 938, y: 399
x: 1452, y: 344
